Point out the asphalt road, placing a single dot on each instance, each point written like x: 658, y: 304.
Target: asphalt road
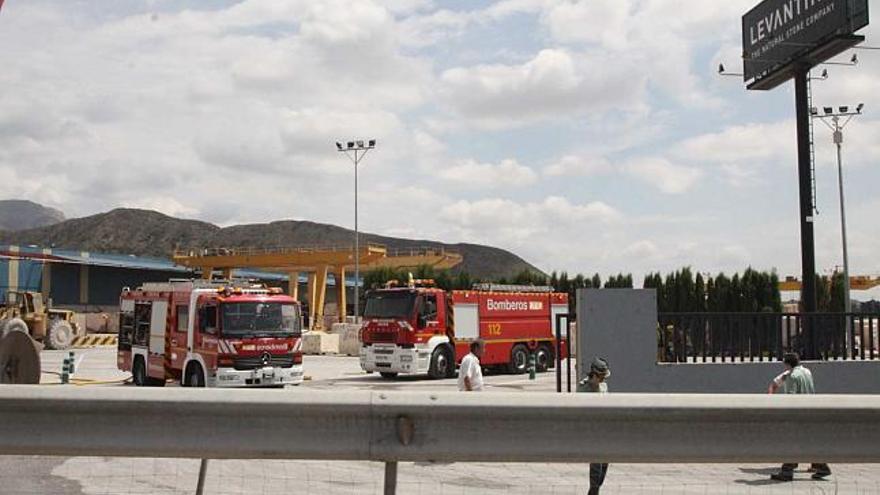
x: 98, y: 365
x: 33, y: 475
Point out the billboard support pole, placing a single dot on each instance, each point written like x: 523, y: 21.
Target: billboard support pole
x: 805, y: 175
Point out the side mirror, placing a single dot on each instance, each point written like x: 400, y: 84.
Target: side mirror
x: 422, y: 321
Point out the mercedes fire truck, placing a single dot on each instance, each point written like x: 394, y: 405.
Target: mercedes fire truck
x: 210, y: 334
x: 423, y: 329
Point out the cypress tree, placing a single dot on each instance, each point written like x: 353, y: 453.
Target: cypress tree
x: 699, y: 299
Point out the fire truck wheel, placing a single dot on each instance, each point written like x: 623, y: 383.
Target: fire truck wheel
x: 388, y: 374
x: 194, y: 376
x: 139, y: 372
x: 59, y: 335
x: 441, y: 362
x: 543, y: 358
x: 519, y: 359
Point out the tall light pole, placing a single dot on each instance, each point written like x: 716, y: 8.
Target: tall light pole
x: 839, y: 120
x: 355, y: 151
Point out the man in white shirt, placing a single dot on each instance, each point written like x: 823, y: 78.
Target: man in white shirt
x: 470, y: 374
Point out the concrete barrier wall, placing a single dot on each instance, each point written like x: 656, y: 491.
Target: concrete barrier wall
x: 621, y: 326
x: 436, y: 426
x: 349, y: 342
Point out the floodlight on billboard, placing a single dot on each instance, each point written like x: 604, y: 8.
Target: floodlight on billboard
x: 782, y: 36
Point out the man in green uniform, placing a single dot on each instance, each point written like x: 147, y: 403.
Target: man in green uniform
x: 796, y: 379
x: 595, y: 383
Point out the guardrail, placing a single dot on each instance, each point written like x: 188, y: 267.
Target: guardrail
x: 437, y: 426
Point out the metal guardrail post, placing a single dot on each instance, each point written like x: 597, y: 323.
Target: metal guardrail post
x: 390, y: 478
x: 567, y: 353
x: 559, y: 318
x: 558, y: 354
x: 203, y: 473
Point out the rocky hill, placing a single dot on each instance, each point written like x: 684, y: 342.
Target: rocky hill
x: 149, y: 233
x: 19, y: 214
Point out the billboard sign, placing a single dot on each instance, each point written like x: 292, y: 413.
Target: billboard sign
x: 780, y: 34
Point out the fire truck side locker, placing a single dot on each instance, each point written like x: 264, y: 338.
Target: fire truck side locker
x: 158, y: 327
x: 467, y: 321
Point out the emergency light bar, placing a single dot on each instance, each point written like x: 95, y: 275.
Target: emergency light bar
x: 490, y: 287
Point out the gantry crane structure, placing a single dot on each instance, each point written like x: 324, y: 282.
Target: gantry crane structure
x: 856, y: 282
x: 317, y: 262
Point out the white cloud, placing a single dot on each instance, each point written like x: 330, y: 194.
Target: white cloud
x: 511, y: 220
x: 642, y: 249
x: 742, y: 143
x: 578, y: 165
x: 554, y: 84
x: 655, y: 36
x: 507, y: 173
x: 664, y: 175
x: 740, y: 176
x: 594, y: 21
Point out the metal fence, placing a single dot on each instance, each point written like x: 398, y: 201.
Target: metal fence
x: 738, y: 337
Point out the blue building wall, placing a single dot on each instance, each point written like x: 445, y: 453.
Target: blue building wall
x: 64, y: 284
x: 30, y: 275
x: 106, y: 283
x: 4, y: 278
x: 109, y: 273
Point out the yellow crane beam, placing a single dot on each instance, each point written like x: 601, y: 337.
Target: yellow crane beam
x: 317, y: 262
x: 280, y: 259
x: 856, y: 282
x: 414, y: 258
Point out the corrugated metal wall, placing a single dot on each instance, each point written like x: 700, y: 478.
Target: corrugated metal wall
x: 64, y: 285
x: 29, y: 276
x: 106, y: 283
x: 4, y: 278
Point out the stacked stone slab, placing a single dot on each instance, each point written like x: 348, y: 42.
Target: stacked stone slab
x: 349, y: 343
x: 320, y: 343
x: 341, y: 339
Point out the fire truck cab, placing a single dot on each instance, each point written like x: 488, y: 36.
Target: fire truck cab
x: 423, y: 329
x: 210, y: 333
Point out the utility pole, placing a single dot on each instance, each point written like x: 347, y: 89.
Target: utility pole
x: 807, y: 206
x: 351, y: 151
x: 839, y: 120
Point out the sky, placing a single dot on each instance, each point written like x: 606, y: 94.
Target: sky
x: 589, y: 136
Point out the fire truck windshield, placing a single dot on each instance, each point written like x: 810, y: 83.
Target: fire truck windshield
x: 391, y: 304
x: 260, y: 319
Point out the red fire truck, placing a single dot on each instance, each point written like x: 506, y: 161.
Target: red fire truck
x: 420, y: 328
x: 210, y: 333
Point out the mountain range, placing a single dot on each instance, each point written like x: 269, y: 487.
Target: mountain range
x: 150, y: 233
x: 19, y: 214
